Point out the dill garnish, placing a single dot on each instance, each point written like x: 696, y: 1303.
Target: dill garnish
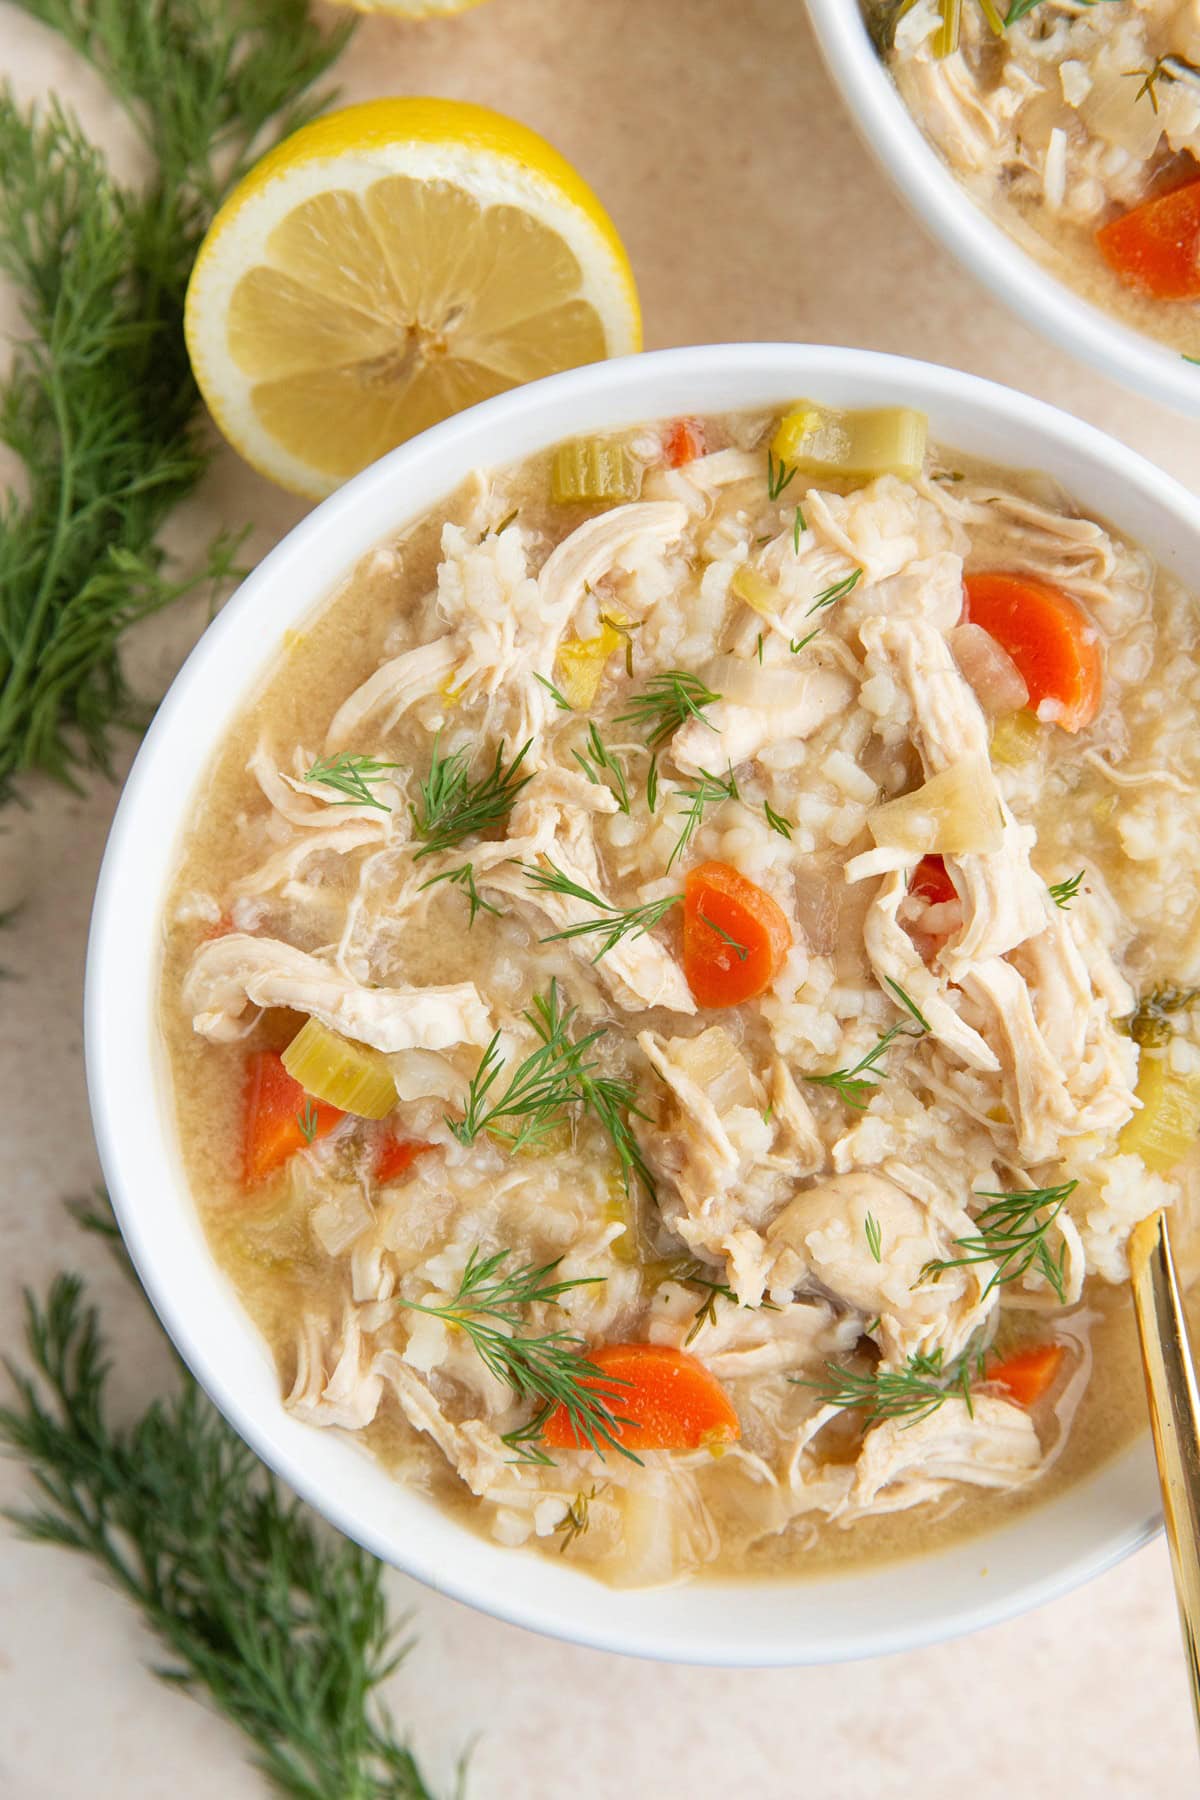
x: 911, y: 1393
x: 308, y: 1121
x: 547, y: 1368
x: 576, y: 1520
x: 779, y: 476
x: 464, y: 877
x: 707, y: 790
x: 598, y: 757
x: 281, y: 1625
x: 625, y: 632
x: 907, y: 1002
x: 452, y: 806
x: 776, y: 821
x: 1063, y: 892
x: 98, y: 402
x: 1149, y: 1024
x: 665, y: 703
x: 506, y: 521
x: 652, y: 785
x: 799, y: 524
x: 828, y: 597
x: 874, y: 1236
x: 351, y: 776
x: 741, y: 951
x: 856, y: 1085
x: 614, y: 922
x: 1012, y: 1233
x: 560, y: 700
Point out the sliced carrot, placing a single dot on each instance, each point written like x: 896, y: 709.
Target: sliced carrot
x: 1155, y: 247
x: 280, y: 1118
x: 1050, y: 638
x: 222, y: 928
x: 931, y: 882
x: 684, y: 442
x: 666, y: 1398
x: 396, y: 1156
x: 1028, y: 1373
x: 735, y: 937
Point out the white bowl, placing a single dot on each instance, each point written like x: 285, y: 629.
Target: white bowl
x: 755, y: 1622
x: 925, y: 181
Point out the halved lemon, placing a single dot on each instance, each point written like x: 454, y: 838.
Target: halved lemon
x: 388, y: 265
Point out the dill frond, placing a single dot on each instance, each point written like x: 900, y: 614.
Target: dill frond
x: 612, y: 923
x: 453, y: 806
x: 665, y: 703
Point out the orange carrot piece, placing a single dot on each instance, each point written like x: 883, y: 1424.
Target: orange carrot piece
x: 931, y: 882
x: 1050, y: 638
x: 1155, y: 247
x: 396, y: 1156
x: 277, y: 1116
x: 1028, y: 1373
x: 684, y: 442
x: 668, y: 1400
x: 735, y: 937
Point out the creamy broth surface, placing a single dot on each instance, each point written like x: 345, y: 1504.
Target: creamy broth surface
x: 812, y: 1246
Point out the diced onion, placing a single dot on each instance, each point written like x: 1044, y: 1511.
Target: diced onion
x: 956, y: 813
x: 998, y: 683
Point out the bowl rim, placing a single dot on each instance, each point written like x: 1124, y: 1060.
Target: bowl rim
x: 869, y: 1610
x: 925, y: 182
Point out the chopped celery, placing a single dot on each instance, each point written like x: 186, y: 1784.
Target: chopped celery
x: 821, y: 441
x: 945, y: 38
x: 1165, y: 1130
x: 995, y: 23
x: 954, y: 813
x: 1016, y: 738
x: 344, y: 1074
x: 755, y: 590
x: 580, y: 663
x: 594, y: 469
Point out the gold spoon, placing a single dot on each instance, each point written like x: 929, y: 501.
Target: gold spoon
x: 1174, y: 1398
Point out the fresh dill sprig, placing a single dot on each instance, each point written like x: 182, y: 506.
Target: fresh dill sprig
x: 1149, y: 1024
x: 548, y: 1368
x: 611, y: 922
x: 908, y: 1003
x: 464, y: 877
x: 537, y: 1093
x: 857, y: 1084
x: 740, y: 950
x: 652, y: 785
x: 911, y: 1393
x: 874, y: 1236
x: 98, y: 403
x: 597, y: 761
x: 799, y: 524
x: 690, y: 1273
x: 283, y: 1627
x: 707, y: 790
x: 1012, y: 1232
x: 308, y: 1121
x: 351, y: 776
x: 559, y: 698
x: 779, y: 476
x: 452, y: 806
x: 828, y: 597
x: 625, y: 632
x: 576, y: 1520
x: 665, y: 703
x: 1063, y: 892
x: 776, y: 821
x: 613, y: 1103
x: 506, y: 521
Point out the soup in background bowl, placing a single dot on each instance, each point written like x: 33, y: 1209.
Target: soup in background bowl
x: 635, y: 907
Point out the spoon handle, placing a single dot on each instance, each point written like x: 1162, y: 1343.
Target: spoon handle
x: 1174, y: 1398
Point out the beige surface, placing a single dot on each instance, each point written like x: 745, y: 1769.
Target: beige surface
x: 749, y: 209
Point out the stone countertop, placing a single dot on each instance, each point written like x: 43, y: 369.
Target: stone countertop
x: 750, y: 210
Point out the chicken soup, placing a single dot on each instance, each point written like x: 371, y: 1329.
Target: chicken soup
x: 678, y: 989
x: 1076, y: 124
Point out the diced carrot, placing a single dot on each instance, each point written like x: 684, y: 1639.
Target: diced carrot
x: 931, y: 882
x: 668, y: 1400
x: 1050, y: 638
x: 735, y: 937
x: 684, y: 442
x: 222, y: 928
x: 280, y: 1118
x: 1155, y: 247
x: 396, y: 1156
x: 1028, y: 1373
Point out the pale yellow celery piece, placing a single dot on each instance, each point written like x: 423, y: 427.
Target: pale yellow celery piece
x: 350, y: 1076
x: 1016, y: 738
x: 579, y: 666
x: 756, y: 591
x: 1165, y: 1129
x: 832, y: 445
x: 995, y: 23
x: 592, y: 470
x: 945, y: 39
x: 955, y: 813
